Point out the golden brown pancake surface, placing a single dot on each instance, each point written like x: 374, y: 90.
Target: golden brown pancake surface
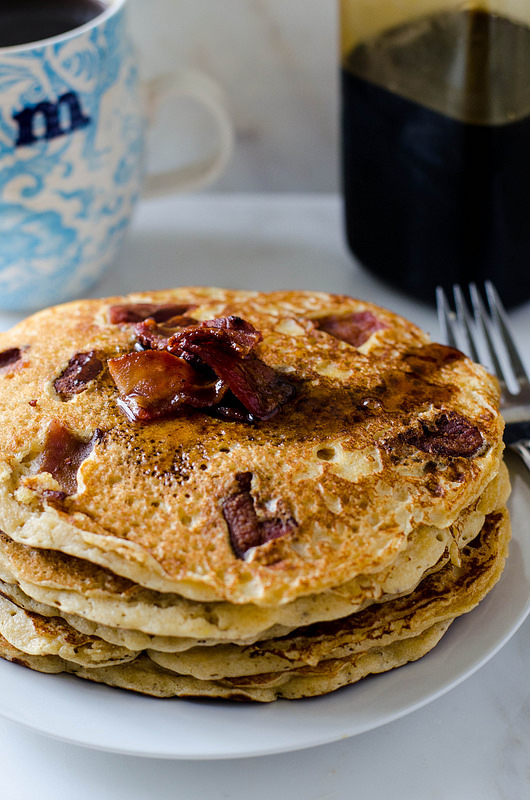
x: 380, y: 436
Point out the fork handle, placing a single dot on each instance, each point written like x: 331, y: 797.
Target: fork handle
x: 523, y: 449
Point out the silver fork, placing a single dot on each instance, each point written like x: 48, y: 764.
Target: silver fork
x: 492, y: 323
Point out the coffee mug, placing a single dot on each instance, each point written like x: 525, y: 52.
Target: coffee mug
x: 73, y: 118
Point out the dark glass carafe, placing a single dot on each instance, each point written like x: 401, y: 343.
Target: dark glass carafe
x: 436, y: 145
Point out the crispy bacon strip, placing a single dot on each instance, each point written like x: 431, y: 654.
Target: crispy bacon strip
x: 225, y: 345
x: 259, y: 388
x: 155, y: 383
x: 244, y: 527
x: 237, y: 333
x: 136, y: 312
x: 231, y: 409
x: 230, y: 333
x: 208, y: 365
x: 450, y: 435
x: 63, y: 454
x: 154, y: 336
x: 355, y: 328
x: 81, y: 369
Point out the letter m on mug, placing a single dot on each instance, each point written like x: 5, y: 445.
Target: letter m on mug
x: 29, y: 131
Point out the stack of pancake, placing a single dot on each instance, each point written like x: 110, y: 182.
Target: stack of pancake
x: 242, y: 495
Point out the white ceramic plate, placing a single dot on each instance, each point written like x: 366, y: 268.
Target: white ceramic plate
x: 109, y: 719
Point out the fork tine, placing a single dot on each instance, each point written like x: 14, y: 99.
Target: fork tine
x: 481, y: 315
x: 445, y: 318
x: 500, y: 318
x: 464, y: 319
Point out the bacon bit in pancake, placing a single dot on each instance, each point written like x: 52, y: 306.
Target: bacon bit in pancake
x: 9, y: 358
x: 137, y: 312
x: 63, y: 454
x: 354, y: 329
x: 449, y: 435
x: 245, y: 529
x: 81, y: 369
x: 155, y: 383
x: 208, y: 365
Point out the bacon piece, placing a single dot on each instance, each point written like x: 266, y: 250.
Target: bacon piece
x: 81, y: 369
x: 136, y: 312
x: 239, y: 334
x: 155, y: 383
x: 241, y: 517
x: 197, y: 366
x: 232, y: 333
x: 63, y: 454
x: 355, y: 328
x: 10, y: 357
x: 225, y: 346
x: 257, y: 386
x: 276, y: 528
x: 231, y: 409
x: 450, y: 435
x: 244, y: 527
x: 152, y: 336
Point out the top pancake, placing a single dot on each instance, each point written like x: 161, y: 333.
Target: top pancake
x: 375, y: 442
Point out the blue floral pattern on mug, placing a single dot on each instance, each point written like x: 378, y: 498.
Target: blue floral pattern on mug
x: 71, y: 144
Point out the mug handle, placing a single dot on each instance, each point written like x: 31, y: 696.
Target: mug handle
x: 195, y: 85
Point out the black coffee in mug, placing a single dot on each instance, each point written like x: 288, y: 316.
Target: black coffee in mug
x: 436, y: 152
x: 25, y: 21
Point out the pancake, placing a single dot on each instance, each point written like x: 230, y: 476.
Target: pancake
x: 38, y: 635
x: 242, y: 495
x: 441, y: 597
x: 376, y: 433
x: 373, y: 641
x: 144, y: 676
x: 77, y: 587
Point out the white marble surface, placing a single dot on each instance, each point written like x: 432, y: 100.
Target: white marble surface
x: 277, y: 63
x: 471, y: 744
